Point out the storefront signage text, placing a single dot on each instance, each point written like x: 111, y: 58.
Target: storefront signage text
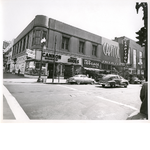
x: 73, y: 60
x: 91, y: 63
x: 51, y: 56
x: 30, y: 53
x: 111, y: 50
x: 125, y: 49
x: 109, y: 62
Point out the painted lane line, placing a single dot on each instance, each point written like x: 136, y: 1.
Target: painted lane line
x: 18, y: 112
x: 117, y: 103
x: 68, y: 87
x: 104, y: 98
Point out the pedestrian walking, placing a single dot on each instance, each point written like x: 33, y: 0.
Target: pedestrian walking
x: 144, y: 99
x: 18, y: 72
x: 143, y: 114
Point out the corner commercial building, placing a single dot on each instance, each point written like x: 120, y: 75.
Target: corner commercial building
x: 76, y: 51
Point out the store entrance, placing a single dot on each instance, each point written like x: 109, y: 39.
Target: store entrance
x: 50, y: 70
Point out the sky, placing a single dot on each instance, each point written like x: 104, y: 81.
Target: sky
x: 106, y: 18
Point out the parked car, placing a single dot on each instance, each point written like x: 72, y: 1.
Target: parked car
x: 135, y: 80
x: 113, y: 80
x: 80, y: 78
x: 98, y: 77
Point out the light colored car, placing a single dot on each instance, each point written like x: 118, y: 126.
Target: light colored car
x: 80, y: 78
x: 113, y: 80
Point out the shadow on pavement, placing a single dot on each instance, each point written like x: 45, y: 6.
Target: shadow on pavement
x: 12, y: 76
x: 138, y: 116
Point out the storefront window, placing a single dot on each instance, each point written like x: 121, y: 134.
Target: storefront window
x: 33, y: 68
x: 109, y: 67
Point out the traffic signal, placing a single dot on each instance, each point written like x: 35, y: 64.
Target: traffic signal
x: 142, y: 33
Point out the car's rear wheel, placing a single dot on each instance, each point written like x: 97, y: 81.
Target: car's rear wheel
x: 125, y: 85
x: 92, y: 82
x: 78, y: 82
x: 112, y: 84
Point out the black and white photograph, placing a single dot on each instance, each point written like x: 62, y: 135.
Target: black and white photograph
x: 71, y: 61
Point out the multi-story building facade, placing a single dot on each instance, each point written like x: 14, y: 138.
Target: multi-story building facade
x: 135, y: 64
x: 75, y: 50
x: 7, y: 57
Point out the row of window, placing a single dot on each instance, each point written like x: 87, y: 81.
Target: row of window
x: 24, y: 43
x: 21, y: 45
x: 37, y: 35
x: 65, y: 46
x: 36, y: 40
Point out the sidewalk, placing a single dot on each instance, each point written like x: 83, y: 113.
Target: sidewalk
x: 8, y: 77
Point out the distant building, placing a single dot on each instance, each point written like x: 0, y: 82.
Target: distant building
x: 7, y: 56
x: 5, y: 44
x: 135, y: 63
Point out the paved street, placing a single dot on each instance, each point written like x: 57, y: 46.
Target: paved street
x: 38, y: 101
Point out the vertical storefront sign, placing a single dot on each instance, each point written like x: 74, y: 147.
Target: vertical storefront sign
x: 125, y: 50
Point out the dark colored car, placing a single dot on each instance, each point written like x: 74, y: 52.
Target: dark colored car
x: 112, y: 80
x: 135, y: 80
x: 98, y: 77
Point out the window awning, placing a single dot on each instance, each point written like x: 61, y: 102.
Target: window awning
x: 93, y: 69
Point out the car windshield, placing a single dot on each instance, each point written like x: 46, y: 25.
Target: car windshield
x: 109, y: 76
x: 80, y: 75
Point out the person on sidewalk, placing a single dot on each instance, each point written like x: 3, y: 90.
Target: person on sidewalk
x: 18, y: 72
x: 143, y: 114
x: 144, y: 99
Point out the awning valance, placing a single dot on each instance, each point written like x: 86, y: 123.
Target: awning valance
x: 93, y: 69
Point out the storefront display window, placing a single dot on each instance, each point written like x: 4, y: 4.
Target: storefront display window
x: 33, y: 68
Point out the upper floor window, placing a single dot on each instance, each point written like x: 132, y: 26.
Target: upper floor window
x: 27, y: 41
x: 81, y: 47
x: 17, y: 47
x: 94, y: 50
x: 140, y: 57
x: 20, y: 47
x: 37, y: 36
x: 24, y: 43
x: 134, y: 58
x: 65, y: 43
x: 129, y: 50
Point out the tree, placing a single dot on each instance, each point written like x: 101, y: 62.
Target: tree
x: 142, y: 34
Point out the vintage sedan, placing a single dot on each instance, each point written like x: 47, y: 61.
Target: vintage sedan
x: 135, y: 80
x: 113, y: 80
x: 80, y: 78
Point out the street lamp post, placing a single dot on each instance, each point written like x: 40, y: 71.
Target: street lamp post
x: 54, y: 61
x: 43, y: 42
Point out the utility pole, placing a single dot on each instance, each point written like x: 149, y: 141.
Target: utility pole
x: 54, y: 61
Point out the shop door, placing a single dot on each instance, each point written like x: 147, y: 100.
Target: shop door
x: 50, y: 70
